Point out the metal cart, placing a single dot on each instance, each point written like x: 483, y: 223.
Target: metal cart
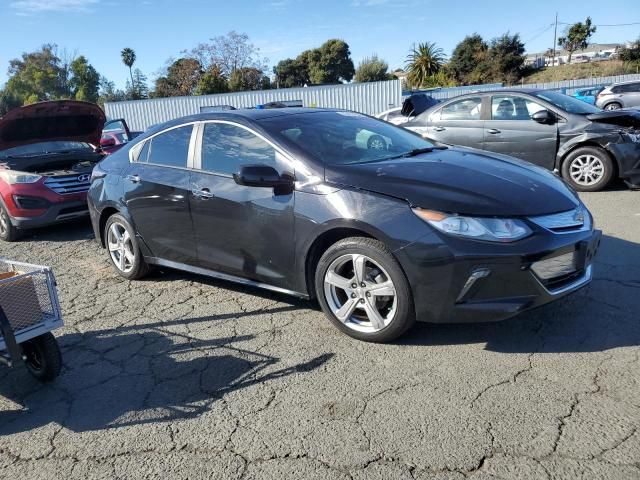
x: 29, y: 311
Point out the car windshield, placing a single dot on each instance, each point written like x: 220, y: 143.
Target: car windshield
x: 337, y: 138
x: 44, y: 148
x: 567, y: 103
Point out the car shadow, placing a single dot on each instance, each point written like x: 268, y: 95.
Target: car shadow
x: 70, y: 231
x: 141, y: 374
x: 600, y: 317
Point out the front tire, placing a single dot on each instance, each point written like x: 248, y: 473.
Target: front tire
x: 124, y: 250
x: 613, y: 106
x: 363, y: 290
x: 8, y: 232
x: 588, y: 169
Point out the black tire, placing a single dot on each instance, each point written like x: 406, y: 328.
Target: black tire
x: 8, y: 232
x: 43, y: 359
x: 139, y: 268
x: 613, y: 106
x: 404, y: 317
x: 575, y: 157
x: 375, y: 142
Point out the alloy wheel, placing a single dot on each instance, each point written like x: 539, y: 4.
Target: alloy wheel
x: 360, y: 293
x: 4, y: 222
x: 377, y: 143
x: 586, y: 170
x: 121, y: 248
x: 612, y: 106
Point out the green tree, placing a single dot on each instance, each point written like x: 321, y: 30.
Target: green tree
x: 36, y: 76
x: 128, y: 58
x: 181, y: 79
x: 109, y: 93
x: 331, y: 63
x: 138, y: 89
x: 291, y: 72
x: 372, y: 69
x: 229, y: 52
x: 424, y: 61
x: 506, y: 58
x: 631, y: 55
x: 84, y: 82
x: 466, y: 56
x: 212, y: 81
x: 247, y: 78
x: 577, y: 37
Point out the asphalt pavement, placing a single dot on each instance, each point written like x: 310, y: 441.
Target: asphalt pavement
x: 180, y: 376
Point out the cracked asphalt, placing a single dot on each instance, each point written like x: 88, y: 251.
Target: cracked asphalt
x: 182, y: 377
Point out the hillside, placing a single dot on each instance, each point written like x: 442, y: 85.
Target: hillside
x: 579, y: 70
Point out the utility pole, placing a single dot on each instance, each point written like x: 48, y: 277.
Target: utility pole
x: 555, y: 33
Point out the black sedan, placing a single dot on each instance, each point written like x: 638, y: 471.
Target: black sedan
x: 292, y: 201
x: 588, y: 146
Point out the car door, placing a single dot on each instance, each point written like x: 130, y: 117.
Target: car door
x: 511, y: 131
x: 156, y: 193
x: 241, y: 230
x: 458, y: 122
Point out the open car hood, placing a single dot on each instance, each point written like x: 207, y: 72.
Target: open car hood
x: 60, y: 120
x: 623, y: 118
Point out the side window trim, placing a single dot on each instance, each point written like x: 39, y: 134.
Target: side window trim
x: 281, y: 155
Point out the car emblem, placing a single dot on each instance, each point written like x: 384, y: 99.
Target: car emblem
x: 84, y: 178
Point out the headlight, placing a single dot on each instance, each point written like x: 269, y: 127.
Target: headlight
x: 12, y: 177
x: 489, y: 229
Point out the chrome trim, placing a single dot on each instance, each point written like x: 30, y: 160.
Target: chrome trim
x: 221, y: 276
x: 569, y: 221
x: 68, y: 184
x: 473, y: 278
x: 579, y: 283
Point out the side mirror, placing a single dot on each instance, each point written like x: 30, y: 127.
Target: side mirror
x: 544, y: 116
x: 107, y: 142
x: 262, y: 176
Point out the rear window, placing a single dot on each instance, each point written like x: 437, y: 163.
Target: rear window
x: 343, y: 137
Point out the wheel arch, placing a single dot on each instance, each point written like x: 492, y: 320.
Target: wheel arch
x: 105, y: 214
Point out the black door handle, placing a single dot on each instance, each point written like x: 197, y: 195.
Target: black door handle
x: 133, y: 178
x: 493, y: 131
x: 203, y: 193
x: 439, y: 129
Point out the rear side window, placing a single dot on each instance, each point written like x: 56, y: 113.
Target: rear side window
x: 226, y: 148
x: 170, y: 148
x: 513, y: 108
x: 465, y: 109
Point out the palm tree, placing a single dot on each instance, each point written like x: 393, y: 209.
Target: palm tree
x: 129, y: 58
x: 424, y: 61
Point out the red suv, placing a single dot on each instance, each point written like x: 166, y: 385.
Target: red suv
x: 47, y: 153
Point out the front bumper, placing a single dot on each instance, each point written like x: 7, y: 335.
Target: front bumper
x: 56, y: 213
x: 494, y: 282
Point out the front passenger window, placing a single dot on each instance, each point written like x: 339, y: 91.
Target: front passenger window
x: 226, y: 148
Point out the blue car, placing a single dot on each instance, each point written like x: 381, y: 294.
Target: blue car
x: 588, y: 94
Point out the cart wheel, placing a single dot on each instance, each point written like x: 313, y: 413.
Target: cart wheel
x: 43, y: 358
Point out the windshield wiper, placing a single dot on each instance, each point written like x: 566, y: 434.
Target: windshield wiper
x: 415, y: 152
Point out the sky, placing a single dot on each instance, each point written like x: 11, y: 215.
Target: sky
x: 160, y: 29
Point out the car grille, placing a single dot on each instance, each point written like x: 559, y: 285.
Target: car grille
x: 564, y: 222
x: 66, y: 184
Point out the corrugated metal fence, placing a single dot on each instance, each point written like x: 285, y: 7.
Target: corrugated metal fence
x: 369, y: 98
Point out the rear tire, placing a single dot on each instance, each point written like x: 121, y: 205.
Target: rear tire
x: 363, y: 290
x: 613, y: 106
x: 43, y: 357
x: 588, y: 169
x: 123, y: 248
x: 8, y: 232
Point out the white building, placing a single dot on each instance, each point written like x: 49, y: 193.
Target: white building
x: 595, y: 52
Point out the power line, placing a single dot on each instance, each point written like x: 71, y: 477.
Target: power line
x: 606, y: 24
x: 536, y: 35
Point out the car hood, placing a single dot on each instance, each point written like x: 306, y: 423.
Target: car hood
x: 63, y: 120
x: 464, y: 181
x: 622, y: 118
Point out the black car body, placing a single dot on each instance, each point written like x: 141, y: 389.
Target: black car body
x: 588, y: 146
x: 278, y: 198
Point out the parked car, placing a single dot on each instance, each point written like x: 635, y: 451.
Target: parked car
x: 288, y: 200
x: 47, y: 153
x: 587, y: 146
x: 619, y: 95
x: 588, y: 94
x: 413, y: 105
